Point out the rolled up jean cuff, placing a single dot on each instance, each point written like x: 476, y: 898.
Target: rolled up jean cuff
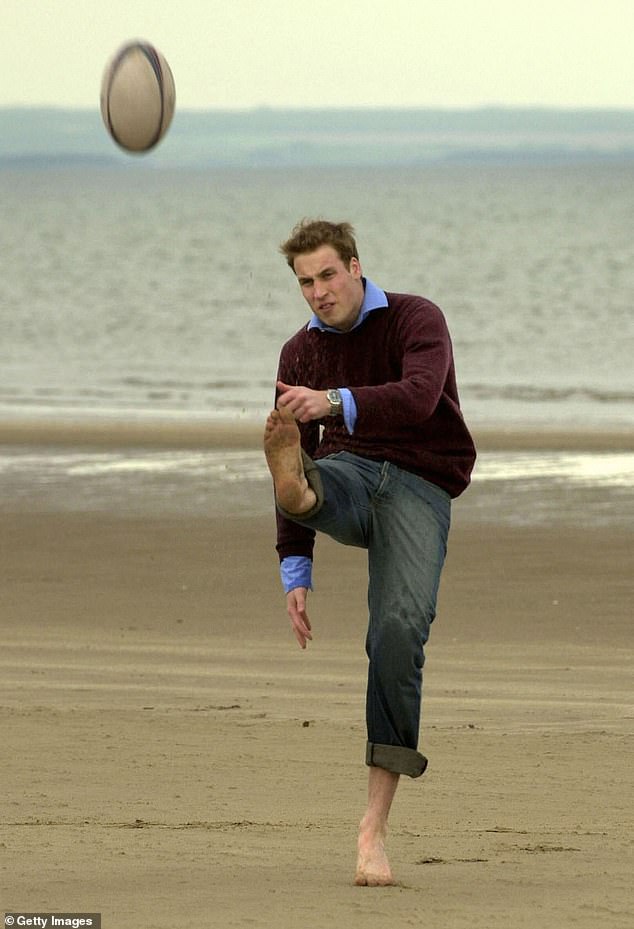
x: 395, y: 758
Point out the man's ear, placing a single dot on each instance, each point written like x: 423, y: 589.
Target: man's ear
x: 355, y: 268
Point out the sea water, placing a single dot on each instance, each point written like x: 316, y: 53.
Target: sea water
x: 137, y: 292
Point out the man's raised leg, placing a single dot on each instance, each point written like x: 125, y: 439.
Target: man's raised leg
x: 282, y: 449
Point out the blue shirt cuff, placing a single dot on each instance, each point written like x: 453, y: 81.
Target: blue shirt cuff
x: 349, y: 409
x: 296, y: 571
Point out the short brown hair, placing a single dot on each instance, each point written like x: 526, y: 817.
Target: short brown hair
x: 310, y: 234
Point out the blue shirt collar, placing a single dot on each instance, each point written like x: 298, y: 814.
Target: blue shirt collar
x: 374, y: 299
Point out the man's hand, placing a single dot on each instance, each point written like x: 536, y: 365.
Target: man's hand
x: 305, y: 404
x: 296, y: 607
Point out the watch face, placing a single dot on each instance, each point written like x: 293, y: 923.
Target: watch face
x: 335, y: 401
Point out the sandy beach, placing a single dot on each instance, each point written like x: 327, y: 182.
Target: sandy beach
x: 172, y: 759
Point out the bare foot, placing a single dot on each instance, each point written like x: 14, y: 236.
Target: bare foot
x: 284, y: 458
x: 373, y: 868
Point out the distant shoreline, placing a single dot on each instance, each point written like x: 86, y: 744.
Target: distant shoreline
x: 477, y: 158
x: 263, y: 137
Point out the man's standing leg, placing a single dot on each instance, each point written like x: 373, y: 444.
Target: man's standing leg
x: 406, y: 552
x: 373, y: 867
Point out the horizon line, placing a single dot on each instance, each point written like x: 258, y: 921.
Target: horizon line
x: 433, y: 108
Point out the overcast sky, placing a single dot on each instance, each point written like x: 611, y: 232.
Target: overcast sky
x: 307, y: 53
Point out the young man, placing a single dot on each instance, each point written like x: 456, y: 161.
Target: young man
x: 367, y: 444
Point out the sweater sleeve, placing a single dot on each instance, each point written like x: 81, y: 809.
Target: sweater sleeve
x: 422, y: 339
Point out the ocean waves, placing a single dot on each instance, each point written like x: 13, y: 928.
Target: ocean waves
x: 162, y: 293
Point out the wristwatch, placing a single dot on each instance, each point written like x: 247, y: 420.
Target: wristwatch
x: 334, y: 399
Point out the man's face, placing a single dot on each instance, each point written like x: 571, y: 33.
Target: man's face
x: 333, y: 291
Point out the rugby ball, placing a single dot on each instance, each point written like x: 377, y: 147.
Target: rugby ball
x: 137, y: 96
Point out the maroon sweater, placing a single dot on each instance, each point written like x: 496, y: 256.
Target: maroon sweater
x: 399, y: 366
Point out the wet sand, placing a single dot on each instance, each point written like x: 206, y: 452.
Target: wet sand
x: 171, y: 757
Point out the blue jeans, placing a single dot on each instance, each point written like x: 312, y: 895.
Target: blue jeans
x: 403, y: 522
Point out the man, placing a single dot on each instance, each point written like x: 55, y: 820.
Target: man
x: 367, y: 444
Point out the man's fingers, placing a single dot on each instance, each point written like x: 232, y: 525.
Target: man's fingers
x: 301, y: 402
x: 296, y: 605
x: 302, y: 624
x: 289, y: 402
x: 302, y: 635
x: 301, y: 628
x: 301, y: 638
